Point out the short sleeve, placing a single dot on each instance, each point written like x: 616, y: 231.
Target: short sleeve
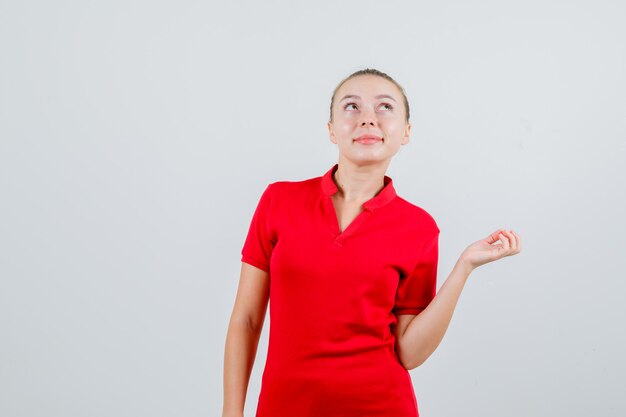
x: 416, y: 290
x: 258, y: 245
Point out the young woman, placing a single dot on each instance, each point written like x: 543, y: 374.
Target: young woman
x: 350, y: 268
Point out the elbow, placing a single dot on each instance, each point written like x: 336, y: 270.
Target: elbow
x: 409, y: 359
x: 410, y: 365
x: 413, y: 361
x: 412, y: 357
x: 419, y: 363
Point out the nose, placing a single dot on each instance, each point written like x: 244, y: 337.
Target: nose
x: 368, y: 117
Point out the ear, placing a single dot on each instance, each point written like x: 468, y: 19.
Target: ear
x: 407, y: 131
x: 331, y: 133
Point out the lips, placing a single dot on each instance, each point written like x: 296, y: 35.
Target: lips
x: 366, y: 139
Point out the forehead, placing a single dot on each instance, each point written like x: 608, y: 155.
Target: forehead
x: 368, y: 86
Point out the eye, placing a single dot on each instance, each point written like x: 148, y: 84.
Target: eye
x: 354, y: 104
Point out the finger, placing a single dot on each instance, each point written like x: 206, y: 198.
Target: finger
x: 512, y: 240
x: 505, y: 242
x: 516, y: 247
x: 492, y: 238
x: 519, y: 241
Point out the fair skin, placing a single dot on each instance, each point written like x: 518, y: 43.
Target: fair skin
x: 359, y: 178
x: 360, y: 109
x: 378, y: 110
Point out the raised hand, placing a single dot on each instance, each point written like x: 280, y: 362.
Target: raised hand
x: 487, y: 250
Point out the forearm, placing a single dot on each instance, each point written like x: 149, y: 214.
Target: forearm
x: 239, y: 354
x: 426, y: 330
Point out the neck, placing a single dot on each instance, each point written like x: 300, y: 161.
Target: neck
x: 359, y: 182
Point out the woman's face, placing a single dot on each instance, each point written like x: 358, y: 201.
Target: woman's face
x: 368, y: 105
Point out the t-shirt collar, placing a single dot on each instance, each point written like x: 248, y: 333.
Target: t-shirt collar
x: 385, y: 195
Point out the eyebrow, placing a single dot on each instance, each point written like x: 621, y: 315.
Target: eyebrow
x: 357, y: 97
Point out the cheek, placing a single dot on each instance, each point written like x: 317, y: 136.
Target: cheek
x: 345, y: 127
x: 392, y: 127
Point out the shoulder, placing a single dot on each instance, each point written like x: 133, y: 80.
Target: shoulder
x: 288, y: 194
x: 293, y: 188
x: 416, y: 214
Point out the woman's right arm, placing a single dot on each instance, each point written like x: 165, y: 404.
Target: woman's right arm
x: 242, y: 339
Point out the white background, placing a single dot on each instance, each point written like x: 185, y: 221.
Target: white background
x: 136, y: 138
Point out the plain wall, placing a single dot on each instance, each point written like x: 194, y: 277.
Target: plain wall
x: 136, y: 138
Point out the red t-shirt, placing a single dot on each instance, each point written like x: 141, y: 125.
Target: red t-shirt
x: 334, y: 297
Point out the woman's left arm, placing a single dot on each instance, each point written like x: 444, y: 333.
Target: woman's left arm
x: 425, y: 331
